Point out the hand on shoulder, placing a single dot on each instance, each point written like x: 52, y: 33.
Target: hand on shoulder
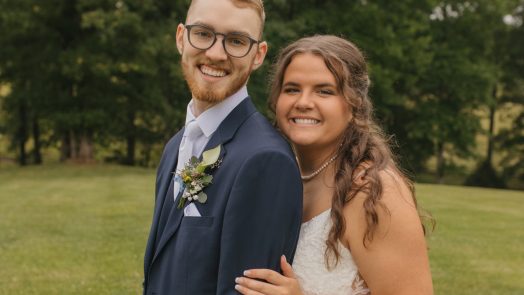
x: 269, y: 282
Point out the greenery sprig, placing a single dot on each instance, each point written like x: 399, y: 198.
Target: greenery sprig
x: 195, y: 178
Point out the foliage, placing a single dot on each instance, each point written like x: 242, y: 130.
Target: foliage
x: 511, y: 140
x: 106, y: 73
x: 82, y: 66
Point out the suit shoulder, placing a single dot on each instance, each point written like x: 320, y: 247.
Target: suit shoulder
x: 263, y: 136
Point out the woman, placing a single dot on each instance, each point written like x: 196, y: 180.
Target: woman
x: 361, y: 231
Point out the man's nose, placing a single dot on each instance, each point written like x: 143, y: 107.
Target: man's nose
x: 217, y: 51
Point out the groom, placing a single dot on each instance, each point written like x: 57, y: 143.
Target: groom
x: 204, y: 235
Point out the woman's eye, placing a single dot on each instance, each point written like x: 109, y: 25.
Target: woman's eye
x: 290, y: 90
x: 326, y: 92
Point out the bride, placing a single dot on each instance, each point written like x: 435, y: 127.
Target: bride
x: 361, y: 230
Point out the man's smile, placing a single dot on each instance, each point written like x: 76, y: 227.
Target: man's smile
x: 209, y: 71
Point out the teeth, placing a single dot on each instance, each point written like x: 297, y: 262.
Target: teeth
x: 306, y: 121
x: 212, y: 72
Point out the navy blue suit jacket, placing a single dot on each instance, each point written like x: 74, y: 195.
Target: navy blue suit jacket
x: 252, y: 215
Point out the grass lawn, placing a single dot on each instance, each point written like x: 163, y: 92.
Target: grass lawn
x: 74, y: 230
x: 82, y: 230
x: 478, y: 245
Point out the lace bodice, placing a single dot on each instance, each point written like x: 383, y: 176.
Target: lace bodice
x: 310, y: 267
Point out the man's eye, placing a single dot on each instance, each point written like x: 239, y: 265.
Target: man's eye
x: 236, y: 41
x: 202, y: 34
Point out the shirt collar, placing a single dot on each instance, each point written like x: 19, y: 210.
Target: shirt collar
x: 209, y: 120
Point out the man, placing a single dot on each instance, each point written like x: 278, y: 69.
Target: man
x: 251, y: 212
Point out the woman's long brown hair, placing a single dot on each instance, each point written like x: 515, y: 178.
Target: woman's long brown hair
x: 364, y: 147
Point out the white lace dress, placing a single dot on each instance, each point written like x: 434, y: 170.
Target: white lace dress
x: 310, y: 267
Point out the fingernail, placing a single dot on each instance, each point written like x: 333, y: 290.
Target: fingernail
x: 246, y: 272
x: 237, y: 280
x: 237, y: 287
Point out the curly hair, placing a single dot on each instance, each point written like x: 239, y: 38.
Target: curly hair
x: 364, y: 148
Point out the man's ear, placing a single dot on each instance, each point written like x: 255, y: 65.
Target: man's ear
x: 180, y: 30
x: 261, y: 54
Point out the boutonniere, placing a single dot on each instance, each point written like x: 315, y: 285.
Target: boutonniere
x: 195, y: 178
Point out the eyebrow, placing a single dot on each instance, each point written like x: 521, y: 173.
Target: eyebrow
x: 316, y: 86
x: 290, y: 84
x: 325, y: 85
x: 229, y: 32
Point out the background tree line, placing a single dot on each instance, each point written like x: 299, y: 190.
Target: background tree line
x: 94, y: 79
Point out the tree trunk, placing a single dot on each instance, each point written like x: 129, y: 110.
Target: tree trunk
x: 491, y: 131
x: 489, y: 156
x: 73, y: 143
x: 146, y: 154
x: 78, y: 148
x: 86, y: 150
x: 131, y: 140
x: 440, y: 162
x: 65, y: 147
x: 22, y: 135
x: 37, y: 155
x: 291, y: 10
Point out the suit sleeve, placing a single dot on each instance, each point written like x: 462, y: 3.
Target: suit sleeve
x: 262, y: 218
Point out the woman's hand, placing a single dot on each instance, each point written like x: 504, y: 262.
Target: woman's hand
x: 275, y: 283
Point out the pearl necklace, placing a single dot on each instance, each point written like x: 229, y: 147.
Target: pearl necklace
x: 316, y: 172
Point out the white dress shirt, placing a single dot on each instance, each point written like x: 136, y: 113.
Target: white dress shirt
x: 209, y: 120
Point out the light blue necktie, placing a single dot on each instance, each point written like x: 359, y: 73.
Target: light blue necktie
x: 187, y: 146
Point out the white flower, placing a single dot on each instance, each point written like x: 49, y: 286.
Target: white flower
x: 195, y: 178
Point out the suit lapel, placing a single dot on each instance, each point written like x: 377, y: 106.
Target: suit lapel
x: 172, y: 224
x: 164, y: 178
x: 222, y: 135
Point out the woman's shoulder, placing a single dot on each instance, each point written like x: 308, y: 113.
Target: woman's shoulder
x: 394, y: 207
x: 396, y: 190
x: 393, y: 183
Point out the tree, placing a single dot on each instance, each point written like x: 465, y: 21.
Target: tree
x: 511, y: 140
x: 99, y: 75
x: 22, y: 67
x: 394, y: 35
x: 459, y: 81
x: 498, y: 51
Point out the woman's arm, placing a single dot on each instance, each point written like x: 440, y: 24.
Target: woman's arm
x: 396, y: 260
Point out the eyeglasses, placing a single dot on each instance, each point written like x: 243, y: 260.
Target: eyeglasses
x: 235, y: 44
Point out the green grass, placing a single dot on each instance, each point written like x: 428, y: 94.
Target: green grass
x: 477, y: 247
x: 83, y: 229
x: 73, y: 230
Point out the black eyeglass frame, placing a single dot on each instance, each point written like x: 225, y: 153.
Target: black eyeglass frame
x: 251, y: 40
